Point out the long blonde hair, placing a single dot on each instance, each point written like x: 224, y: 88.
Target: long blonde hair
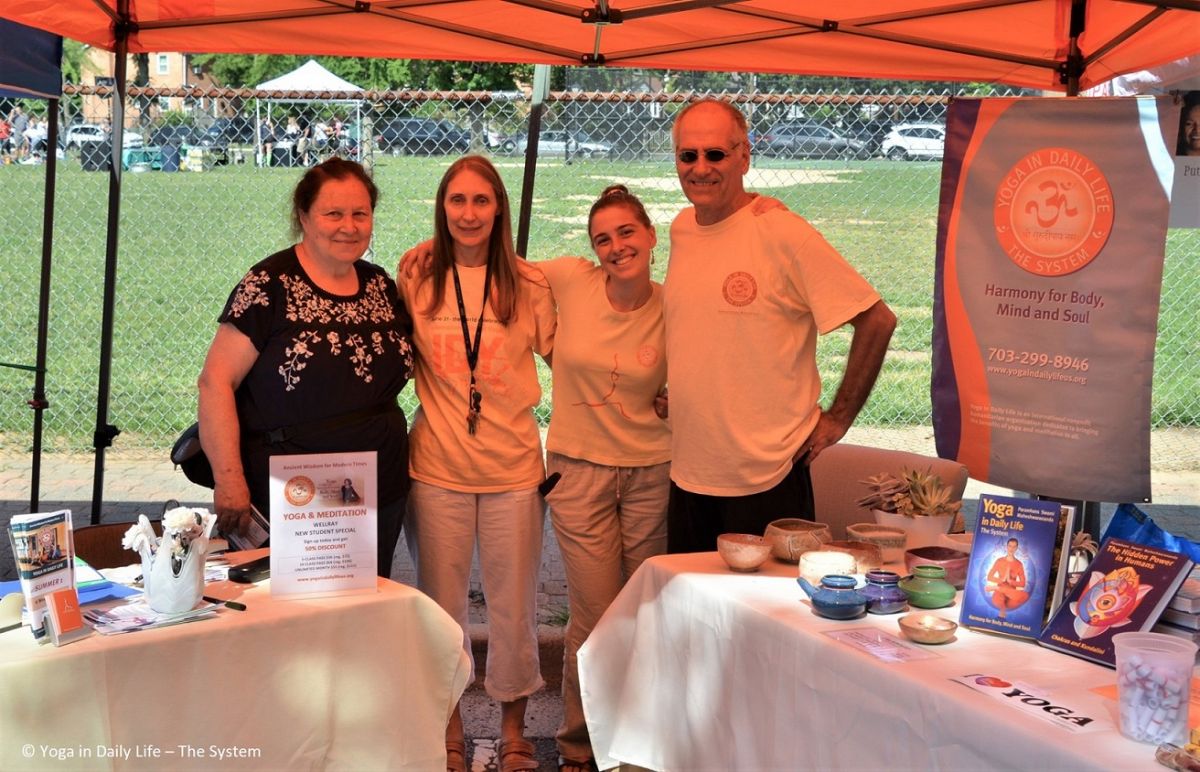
x: 501, y: 258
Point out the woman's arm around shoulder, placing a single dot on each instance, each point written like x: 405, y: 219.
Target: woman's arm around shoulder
x: 541, y: 302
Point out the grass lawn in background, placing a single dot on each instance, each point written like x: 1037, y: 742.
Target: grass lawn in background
x: 187, y: 238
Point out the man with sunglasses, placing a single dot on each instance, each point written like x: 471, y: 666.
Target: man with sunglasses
x: 745, y: 298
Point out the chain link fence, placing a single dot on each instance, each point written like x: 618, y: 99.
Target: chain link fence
x: 206, y: 192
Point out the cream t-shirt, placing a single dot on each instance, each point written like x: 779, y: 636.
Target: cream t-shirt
x: 744, y: 301
x: 506, y: 451
x: 608, y: 367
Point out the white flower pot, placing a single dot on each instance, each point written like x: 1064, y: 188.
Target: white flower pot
x: 922, y: 530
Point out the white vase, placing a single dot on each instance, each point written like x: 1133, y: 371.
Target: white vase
x: 922, y: 530
x: 171, y: 591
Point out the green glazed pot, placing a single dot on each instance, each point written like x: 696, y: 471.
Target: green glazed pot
x: 927, y: 587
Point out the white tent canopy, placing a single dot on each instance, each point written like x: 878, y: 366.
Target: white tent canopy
x: 310, y: 76
x: 1180, y: 75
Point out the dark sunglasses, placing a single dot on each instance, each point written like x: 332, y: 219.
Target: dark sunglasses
x: 714, y: 155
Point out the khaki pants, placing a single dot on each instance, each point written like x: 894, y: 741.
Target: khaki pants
x: 445, y: 526
x: 608, y: 520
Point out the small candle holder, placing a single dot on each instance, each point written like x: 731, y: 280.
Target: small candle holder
x: 927, y: 628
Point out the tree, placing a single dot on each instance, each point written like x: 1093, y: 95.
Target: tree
x: 242, y: 70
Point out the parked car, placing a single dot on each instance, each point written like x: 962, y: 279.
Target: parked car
x: 185, y: 136
x: 227, y: 131
x: 425, y: 136
x: 79, y: 133
x: 805, y: 139
x: 558, y: 143
x: 870, y: 134
x: 907, y: 141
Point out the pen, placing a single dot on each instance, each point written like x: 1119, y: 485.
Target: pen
x: 233, y: 604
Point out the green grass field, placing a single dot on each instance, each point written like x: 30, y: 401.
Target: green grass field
x: 186, y: 239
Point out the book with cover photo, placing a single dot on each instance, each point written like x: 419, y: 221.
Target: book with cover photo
x: 1012, y: 565
x: 1125, y: 589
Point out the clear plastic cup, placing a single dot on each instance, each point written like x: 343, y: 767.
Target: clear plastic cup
x: 1154, y: 676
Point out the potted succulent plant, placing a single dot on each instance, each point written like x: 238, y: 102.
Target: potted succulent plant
x: 917, y: 501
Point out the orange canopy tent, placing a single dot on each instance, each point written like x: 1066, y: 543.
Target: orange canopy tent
x: 1056, y: 45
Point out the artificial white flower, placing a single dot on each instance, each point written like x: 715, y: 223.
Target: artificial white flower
x: 140, y: 537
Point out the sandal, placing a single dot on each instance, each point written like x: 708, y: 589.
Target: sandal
x: 517, y: 755
x: 456, y: 756
x: 571, y: 765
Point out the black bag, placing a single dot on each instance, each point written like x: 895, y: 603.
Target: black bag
x: 189, y: 456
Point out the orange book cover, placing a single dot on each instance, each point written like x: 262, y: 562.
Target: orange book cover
x: 64, y: 610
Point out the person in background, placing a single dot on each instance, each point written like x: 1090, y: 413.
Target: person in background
x: 745, y: 298
x: 266, y: 138
x: 310, y: 354
x: 5, y: 135
x: 304, y: 146
x: 18, y: 122
x: 480, y: 314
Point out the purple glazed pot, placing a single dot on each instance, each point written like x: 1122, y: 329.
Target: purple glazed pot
x: 883, y: 592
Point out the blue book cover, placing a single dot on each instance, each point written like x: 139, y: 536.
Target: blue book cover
x: 1124, y: 590
x: 1012, y: 562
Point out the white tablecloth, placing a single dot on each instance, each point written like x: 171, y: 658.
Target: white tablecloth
x: 356, y: 682
x: 694, y: 667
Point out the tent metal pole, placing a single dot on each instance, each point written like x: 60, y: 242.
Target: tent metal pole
x: 105, y: 432
x: 1073, y: 67
x: 39, y: 402
x: 541, y: 90
x: 1089, y: 511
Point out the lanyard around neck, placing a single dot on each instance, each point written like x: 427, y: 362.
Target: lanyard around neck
x: 474, y: 398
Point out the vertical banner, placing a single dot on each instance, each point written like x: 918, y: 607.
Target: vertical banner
x: 1051, y: 234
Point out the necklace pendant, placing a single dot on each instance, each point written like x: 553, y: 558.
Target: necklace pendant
x: 472, y: 421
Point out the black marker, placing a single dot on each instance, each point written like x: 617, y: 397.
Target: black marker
x: 233, y: 604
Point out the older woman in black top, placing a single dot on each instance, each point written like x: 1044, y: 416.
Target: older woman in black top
x: 311, y: 351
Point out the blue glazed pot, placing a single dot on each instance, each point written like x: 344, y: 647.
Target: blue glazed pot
x: 883, y: 592
x: 836, y: 598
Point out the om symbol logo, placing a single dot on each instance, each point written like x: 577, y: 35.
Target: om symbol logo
x: 1053, y: 211
x: 740, y: 289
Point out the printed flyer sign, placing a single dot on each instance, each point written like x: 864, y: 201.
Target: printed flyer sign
x: 323, y: 523
x: 881, y: 645
x: 1051, y: 235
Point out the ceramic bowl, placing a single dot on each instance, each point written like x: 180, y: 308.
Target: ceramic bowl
x: 957, y: 541
x: 791, y: 537
x: 890, y: 540
x: 817, y: 564
x: 927, y: 628
x: 743, y: 552
x: 954, y: 561
x: 868, y: 556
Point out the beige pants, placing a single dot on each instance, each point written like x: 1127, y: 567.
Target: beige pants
x: 608, y: 520
x: 445, y: 527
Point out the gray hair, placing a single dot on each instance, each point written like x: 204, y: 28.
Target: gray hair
x: 736, y: 115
